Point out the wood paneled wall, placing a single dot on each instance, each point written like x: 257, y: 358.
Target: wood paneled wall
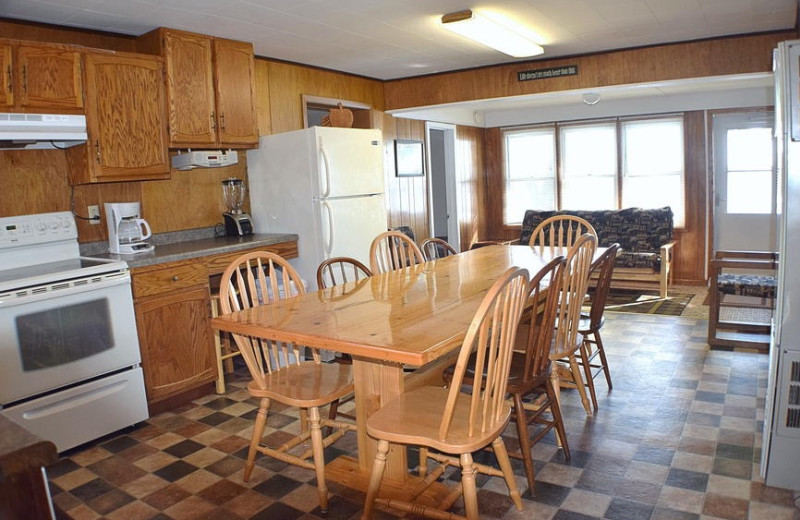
x: 691, y: 248
x: 734, y: 55
x: 471, y: 184
x: 280, y: 99
x: 406, y: 197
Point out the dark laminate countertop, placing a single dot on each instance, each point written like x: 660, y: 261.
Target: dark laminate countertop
x: 194, y: 248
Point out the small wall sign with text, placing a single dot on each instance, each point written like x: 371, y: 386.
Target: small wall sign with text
x: 550, y: 72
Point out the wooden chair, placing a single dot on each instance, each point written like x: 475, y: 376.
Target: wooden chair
x: 455, y: 423
x: 433, y: 248
x: 393, y: 250
x: 560, y: 231
x: 330, y: 273
x: 339, y: 270
x: 223, y: 349
x: 531, y: 367
x: 590, y: 324
x: 277, y: 371
x: 758, y: 286
x: 567, y: 342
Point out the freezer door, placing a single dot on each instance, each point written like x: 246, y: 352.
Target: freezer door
x: 350, y: 162
x: 349, y: 225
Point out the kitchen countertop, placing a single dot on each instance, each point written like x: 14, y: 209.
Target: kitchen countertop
x: 195, y: 248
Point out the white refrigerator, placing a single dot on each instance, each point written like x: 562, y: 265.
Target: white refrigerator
x: 325, y: 184
x: 780, y: 454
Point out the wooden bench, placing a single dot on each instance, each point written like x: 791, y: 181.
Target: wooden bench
x: 644, y: 236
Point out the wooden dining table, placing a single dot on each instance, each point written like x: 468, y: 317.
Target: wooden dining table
x: 412, y: 317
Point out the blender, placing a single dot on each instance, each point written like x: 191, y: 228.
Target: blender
x: 237, y: 223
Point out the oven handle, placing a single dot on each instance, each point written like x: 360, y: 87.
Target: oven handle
x: 75, y: 287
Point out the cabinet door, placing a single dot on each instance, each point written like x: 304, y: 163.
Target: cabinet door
x: 6, y: 77
x: 235, y: 91
x: 49, y: 78
x: 176, y: 342
x: 190, y: 90
x: 126, y: 118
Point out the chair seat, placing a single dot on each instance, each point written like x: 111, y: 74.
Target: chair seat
x: 307, y: 384
x: 747, y: 285
x: 415, y: 418
x: 585, y: 323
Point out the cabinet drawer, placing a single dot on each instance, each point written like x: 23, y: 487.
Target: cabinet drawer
x: 218, y: 263
x: 156, y: 281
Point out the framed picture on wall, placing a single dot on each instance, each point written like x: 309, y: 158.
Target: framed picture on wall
x: 409, y: 160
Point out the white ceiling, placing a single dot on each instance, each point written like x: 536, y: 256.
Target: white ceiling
x: 387, y: 39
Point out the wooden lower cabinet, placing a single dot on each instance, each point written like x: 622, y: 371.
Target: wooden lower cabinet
x: 175, y: 340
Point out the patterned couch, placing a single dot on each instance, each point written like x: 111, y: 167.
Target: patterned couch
x: 644, y: 236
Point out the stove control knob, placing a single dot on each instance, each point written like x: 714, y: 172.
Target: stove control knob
x: 54, y: 225
x: 65, y: 223
x: 41, y: 227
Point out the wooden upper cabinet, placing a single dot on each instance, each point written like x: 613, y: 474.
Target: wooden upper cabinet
x: 126, y: 120
x: 190, y: 89
x: 235, y: 89
x: 6, y: 77
x: 210, y: 89
x: 48, y: 78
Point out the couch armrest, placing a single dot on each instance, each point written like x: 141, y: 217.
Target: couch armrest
x: 667, y: 251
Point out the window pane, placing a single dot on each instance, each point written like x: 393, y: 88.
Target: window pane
x: 530, y: 155
x: 749, y: 192
x: 587, y: 193
x: 653, y: 148
x: 750, y: 149
x: 655, y: 192
x: 531, y: 194
x: 589, y: 150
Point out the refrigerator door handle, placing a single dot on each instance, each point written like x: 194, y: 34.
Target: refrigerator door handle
x: 326, y: 165
x: 329, y: 241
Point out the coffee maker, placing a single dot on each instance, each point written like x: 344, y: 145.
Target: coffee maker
x: 237, y: 223
x: 127, y: 232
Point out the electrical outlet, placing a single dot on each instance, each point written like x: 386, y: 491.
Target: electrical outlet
x: 94, y: 214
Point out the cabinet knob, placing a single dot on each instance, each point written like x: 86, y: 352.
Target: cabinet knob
x: 10, y: 80
x: 213, y: 121
x: 222, y: 121
x: 24, y: 78
x: 175, y: 278
x: 97, y: 150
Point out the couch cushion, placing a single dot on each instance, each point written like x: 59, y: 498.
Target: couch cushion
x: 639, y: 260
x: 747, y: 285
x: 634, y: 229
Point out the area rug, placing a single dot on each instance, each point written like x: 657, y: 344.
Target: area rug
x: 647, y: 302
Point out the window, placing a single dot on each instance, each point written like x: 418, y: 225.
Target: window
x: 530, y: 171
x: 607, y: 164
x: 652, y: 165
x: 750, y: 166
x: 589, y: 166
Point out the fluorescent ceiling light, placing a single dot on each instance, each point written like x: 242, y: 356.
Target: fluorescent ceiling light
x: 490, y: 33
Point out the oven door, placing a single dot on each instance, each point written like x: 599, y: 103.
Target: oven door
x: 65, y: 333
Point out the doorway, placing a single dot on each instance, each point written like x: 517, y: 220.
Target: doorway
x: 442, y: 198
x: 744, y: 181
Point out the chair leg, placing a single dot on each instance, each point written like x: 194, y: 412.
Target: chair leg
x: 599, y: 342
x: 555, y: 409
x: 468, y: 486
x: 220, y: 382
x: 255, y: 440
x: 303, y: 420
x: 578, y: 380
x: 378, y: 467
x: 508, y: 474
x: 524, y: 443
x: 334, y: 408
x: 587, y: 370
x: 319, y: 458
x: 423, y: 461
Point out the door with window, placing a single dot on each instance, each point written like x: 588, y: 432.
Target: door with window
x: 744, y: 182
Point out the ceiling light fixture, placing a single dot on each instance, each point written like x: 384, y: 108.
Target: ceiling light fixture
x: 488, y: 32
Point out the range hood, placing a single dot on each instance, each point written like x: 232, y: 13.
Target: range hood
x: 41, y: 131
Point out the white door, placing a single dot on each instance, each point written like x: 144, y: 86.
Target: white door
x: 442, y: 183
x: 350, y: 224
x: 744, y: 182
x: 350, y: 162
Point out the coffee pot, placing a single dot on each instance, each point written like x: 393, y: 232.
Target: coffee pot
x: 127, y: 231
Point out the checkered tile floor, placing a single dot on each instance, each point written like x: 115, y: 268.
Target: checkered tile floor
x: 678, y: 438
